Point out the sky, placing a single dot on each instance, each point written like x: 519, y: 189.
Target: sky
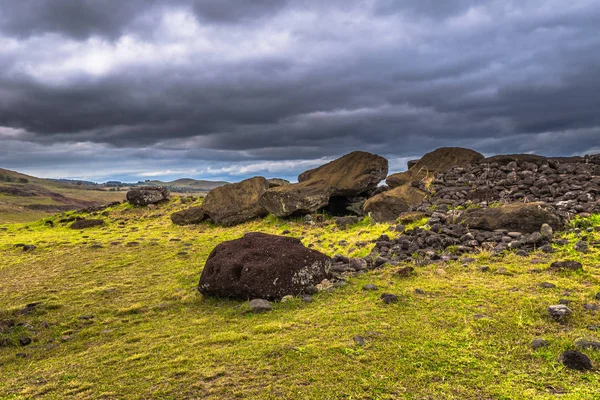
x: 229, y: 89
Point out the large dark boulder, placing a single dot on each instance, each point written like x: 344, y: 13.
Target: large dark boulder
x: 189, y: 216
x: 236, y: 203
x: 145, y: 195
x: 519, y: 217
x: 439, y: 160
x: 351, y: 175
x: 387, y: 206
x: 86, y: 223
x: 262, y: 266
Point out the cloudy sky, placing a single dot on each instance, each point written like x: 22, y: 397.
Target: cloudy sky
x: 226, y: 89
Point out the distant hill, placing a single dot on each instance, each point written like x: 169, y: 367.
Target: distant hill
x: 185, y: 185
x: 26, y: 198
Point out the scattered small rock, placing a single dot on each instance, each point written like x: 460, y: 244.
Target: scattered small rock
x: 538, y: 343
x: 359, y: 340
x: 588, y: 344
x: 582, y: 247
x: 566, y: 265
x: 307, y: 298
x: 547, y: 285
x: 24, y: 341
x: 260, y: 306
x: 591, y: 307
x: 389, y: 298
x: 574, y: 359
x: 369, y: 286
x: 484, y: 268
x: 559, y: 311
x: 405, y: 272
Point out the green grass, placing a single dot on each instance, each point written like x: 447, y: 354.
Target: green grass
x: 153, y: 336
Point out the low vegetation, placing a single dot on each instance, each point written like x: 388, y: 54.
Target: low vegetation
x: 114, y: 313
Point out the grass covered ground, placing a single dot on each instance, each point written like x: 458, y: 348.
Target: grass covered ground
x: 119, y: 317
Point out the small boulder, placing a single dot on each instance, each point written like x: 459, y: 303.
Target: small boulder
x: 574, y: 359
x: 588, y: 344
x: 546, y: 231
x: 236, y: 203
x: 559, y: 312
x: 369, y: 287
x: 567, y: 265
x: 264, y: 266
x: 86, y: 223
x: 190, y: 216
x: 145, y: 195
x: 259, y: 306
x: 389, y: 298
x: 389, y: 205
x: 521, y: 217
x: 538, y: 343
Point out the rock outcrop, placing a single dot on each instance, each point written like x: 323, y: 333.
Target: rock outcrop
x: 190, y: 216
x: 145, y: 195
x: 571, y: 185
x: 351, y: 175
x: 236, y: 203
x: 262, y: 266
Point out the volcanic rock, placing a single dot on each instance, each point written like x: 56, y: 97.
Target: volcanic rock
x: 522, y: 217
x: 263, y: 266
x: 86, y: 223
x: 439, y: 160
x: 192, y: 215
x: 146, y: 195
x: 351, y: 175
x: 236, y: 203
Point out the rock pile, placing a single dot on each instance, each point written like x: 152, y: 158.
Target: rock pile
x: 572, y: 185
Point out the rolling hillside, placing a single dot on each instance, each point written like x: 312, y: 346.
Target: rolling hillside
x: 25, y: 198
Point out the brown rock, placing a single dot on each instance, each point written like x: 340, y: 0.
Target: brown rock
x: 351, y: 175
x: 263, y: 266
x: 86, y: 223
x: 236, y: 203
x: 146, y: 195
x: 192, y: 215
x: 439, y: 160
x: 521, y: 217
x: 387, y: 206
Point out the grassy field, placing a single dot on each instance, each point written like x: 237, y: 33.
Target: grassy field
x: 24, y: 198
x: 119, y: 316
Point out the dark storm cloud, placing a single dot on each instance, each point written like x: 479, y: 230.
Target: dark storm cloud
x: 264, y: 82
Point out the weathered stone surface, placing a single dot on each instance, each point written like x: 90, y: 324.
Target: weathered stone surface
x: 146, y: 195
x: 574, y: 359
x: 566, y: 265
x: 276, y: 182
x: 351, y: 175
x: 296, y: 199
x: 522, y: 217
x: 236, y: 203
x: 559, y: 312
x: 263, y: 266
x: 86, y: 223
x: 439, y: 160
x: 387, y: 206
x: 258, y: 306
x: 192, y: 215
